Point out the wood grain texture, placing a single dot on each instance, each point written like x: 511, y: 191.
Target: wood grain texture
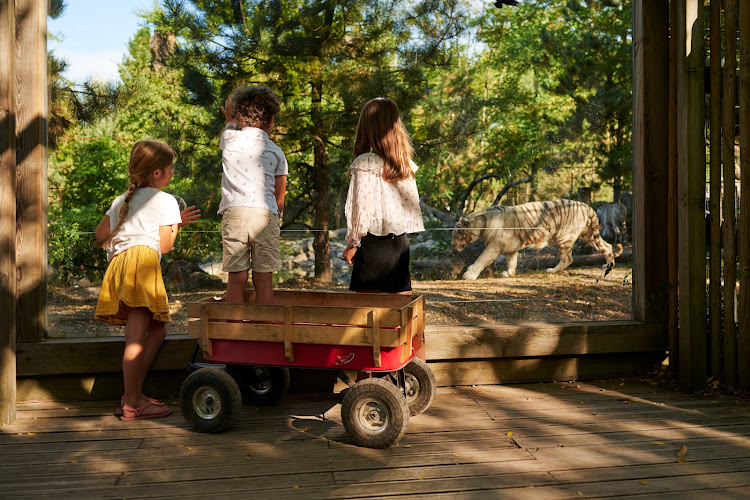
x: 609, y: 438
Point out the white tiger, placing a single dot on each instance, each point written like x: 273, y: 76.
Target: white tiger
x: 612, y: 223
x: 508, y: 229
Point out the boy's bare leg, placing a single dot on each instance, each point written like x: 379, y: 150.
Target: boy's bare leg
x: 236, y: 283
x: 263, y: 283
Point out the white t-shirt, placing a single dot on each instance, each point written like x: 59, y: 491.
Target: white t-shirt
x: 379, y: 207
x: 150, y: 209
x: 251, y: 162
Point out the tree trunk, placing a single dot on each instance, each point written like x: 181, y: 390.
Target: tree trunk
x: 321, y: 244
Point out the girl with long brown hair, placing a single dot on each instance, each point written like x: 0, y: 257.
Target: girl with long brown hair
x: 140, y: 226
x: 382, y: 205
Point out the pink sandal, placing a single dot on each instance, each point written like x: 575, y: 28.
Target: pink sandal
x: 139, y: 415
x: 155, y: 402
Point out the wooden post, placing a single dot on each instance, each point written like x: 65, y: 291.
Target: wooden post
x: 715, y: 180
x: 650, y: 159
x: 743, y: 341
x: 7, y: 215
x: 691, y: 178
x: 673, y: 252
x: 31, y: 164
x: 729, y: 343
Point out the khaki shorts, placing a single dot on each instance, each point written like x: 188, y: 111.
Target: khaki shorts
x: 250, y: 235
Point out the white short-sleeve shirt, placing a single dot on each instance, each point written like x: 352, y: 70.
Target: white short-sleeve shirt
x: 251, y: 162
x: 149, y: 209
x: 379, y: 207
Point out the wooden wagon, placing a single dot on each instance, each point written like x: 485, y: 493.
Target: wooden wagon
x: 252, y: 346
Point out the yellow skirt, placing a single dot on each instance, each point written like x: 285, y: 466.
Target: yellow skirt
x: 133, y: 279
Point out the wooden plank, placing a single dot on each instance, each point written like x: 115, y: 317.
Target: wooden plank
x: 31, y: 161
x: 332, y: 315
x: 729, y: 341
x: 650, y: 159
x: 691, y: 195
x: 103, y: 355
x: 672, y: 247
x: 715, y: 289
x: 303, y: 334
x: 500, y: 371
x: 743, y: 331
x: 8, y: 291
x: 542, y: 339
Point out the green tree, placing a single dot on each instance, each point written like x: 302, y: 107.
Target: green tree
x: 325, y: 59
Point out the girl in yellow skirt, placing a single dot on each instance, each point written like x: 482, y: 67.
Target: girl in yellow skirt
x: 140, y: 226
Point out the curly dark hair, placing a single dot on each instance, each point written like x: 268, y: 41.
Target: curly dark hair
x: 254, y: 106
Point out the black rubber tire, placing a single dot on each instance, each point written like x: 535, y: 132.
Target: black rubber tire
x: 261, y: 385
x: 210, y: 400
x: 374, y: 413
x: 420, y: 386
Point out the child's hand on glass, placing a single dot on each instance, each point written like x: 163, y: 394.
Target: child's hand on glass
x: 190, y: 215
x: 227, y: 110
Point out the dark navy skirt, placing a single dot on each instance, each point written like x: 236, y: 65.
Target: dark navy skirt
x: 382, y: 264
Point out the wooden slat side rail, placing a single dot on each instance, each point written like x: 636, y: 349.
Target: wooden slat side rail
x: 327, y: 315
x: 202, y: 334
x: 341, y: 299
x: 375, y: 323
x: 288, y: 334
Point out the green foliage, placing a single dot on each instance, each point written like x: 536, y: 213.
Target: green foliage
x: 71, y: 243
x: 540, y: 90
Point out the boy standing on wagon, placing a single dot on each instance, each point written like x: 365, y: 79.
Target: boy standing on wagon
x: 253, y: 186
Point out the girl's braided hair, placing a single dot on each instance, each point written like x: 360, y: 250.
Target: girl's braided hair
x: 146, y: 157
x: 254, y: 106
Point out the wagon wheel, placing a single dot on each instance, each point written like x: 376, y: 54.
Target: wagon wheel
x: 374, y: 413
x: 260, y: 385
x: 210, y: 400
x: 420, y: 386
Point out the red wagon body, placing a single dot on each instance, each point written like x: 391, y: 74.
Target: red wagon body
x: 334, y: 330
x: 381, y: 334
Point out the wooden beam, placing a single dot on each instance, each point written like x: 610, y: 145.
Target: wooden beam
x: 691, y: 179
x: 650, y: 159
x: 715, y: 181
x: 743, y: 341
x: 447, y: 342
x: 673, y: 252
x: 31, y: 162
x: 516, y: 371
x: 729, y: 339
x: 7, y: 215
x: 454, y: 342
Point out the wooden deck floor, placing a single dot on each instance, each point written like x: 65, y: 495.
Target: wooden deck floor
x: 556, y: 440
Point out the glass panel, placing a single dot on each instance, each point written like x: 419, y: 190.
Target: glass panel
x: 505, y: 106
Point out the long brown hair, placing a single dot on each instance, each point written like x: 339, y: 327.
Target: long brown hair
x: 381, y: 131
x: 146, y: 157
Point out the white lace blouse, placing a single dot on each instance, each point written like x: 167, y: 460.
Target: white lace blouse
x: 378, y: 207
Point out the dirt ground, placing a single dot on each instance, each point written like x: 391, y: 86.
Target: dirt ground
x: 574, y: 295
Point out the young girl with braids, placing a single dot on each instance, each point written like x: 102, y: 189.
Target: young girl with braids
x: 382, y: 205
x: 140, y: 226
